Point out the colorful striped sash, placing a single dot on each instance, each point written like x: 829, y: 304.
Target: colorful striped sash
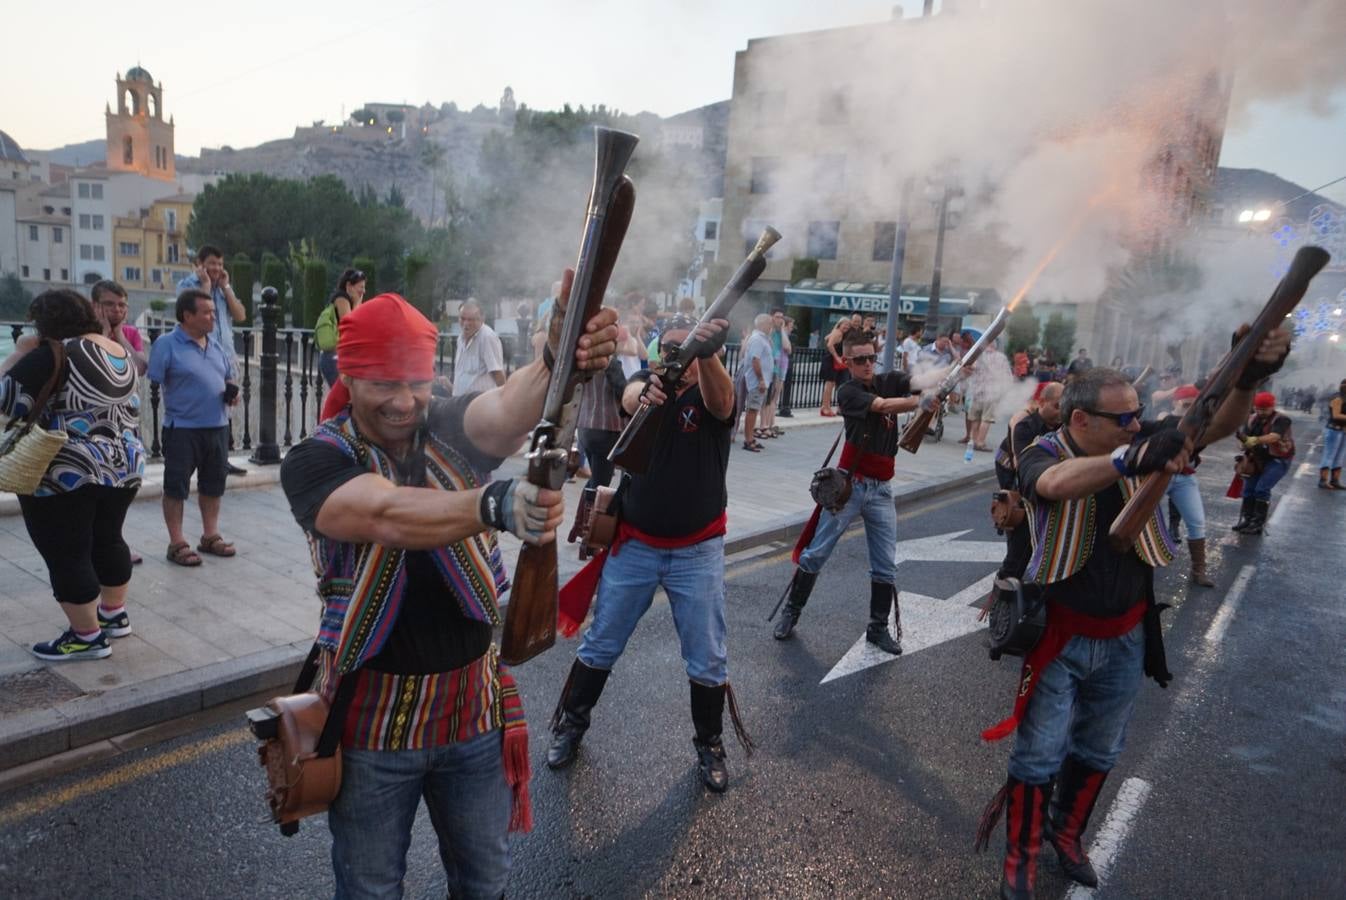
x: 362, y: 585
x: 1063, y: 531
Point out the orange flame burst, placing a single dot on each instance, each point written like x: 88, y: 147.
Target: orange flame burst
x: 1071, y: 230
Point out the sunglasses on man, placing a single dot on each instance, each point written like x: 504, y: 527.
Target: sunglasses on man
x: 864, y: 359
x: 1123, y: 419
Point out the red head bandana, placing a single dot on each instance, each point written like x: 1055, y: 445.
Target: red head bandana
x: 1265, y: 400
x: 1186, y: 392
x: 383, y: 339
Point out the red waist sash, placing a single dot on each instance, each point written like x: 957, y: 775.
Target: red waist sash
x: 578, y: 593
x: 1063, y: 623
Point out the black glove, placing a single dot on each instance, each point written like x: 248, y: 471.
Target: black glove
x: 1254, y: 373
x: 1150, y: 454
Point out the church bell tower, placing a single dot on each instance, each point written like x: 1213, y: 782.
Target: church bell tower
x: 138, y: 138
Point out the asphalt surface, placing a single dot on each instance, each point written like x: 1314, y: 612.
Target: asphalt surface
x: 868, y: 784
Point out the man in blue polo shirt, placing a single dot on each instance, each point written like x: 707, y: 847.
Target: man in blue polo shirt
x: 211, y: 276
x: 197, y: 375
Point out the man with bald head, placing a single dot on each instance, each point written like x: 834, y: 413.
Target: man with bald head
x: 479, y: 361
x: 672, y: 537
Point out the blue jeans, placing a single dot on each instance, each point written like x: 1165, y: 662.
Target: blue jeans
x: 1259, y: 486
x: 693, y: 578
x: 873, y: 501
x: 1185, y: 493
x: 327, y: 367
x: 1081, y: 707
x: 469, y: 803
x: 1333, y: 443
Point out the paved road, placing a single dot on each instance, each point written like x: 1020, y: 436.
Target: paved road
x: 867, y: 784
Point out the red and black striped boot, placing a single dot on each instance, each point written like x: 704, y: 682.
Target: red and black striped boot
x: 1077, y: 790
x: 1025, y: 807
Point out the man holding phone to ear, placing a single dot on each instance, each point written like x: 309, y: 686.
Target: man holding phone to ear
x: 198, y: 378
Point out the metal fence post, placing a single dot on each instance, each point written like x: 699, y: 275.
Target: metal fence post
x: 268, y: 453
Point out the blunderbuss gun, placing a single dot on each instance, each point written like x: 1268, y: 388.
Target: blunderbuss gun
x: 638, y: 439
x: 932, y: 400
x: 1140, y: 379
x: 1307, y: 263
x: 530, y: 621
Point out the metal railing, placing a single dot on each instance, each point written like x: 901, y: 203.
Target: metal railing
x: 263, y: 422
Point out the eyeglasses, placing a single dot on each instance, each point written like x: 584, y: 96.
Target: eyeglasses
x: 864, y: 359
x: 1123, y: 419
x: 358, y: 276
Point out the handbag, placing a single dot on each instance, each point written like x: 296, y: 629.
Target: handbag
x: 26, y: 448
x: 301, y: 746
x: 831, y: 488
x: 1007, y: 510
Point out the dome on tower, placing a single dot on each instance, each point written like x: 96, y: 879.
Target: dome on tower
x: 135, y: 73
x: 10, y: 151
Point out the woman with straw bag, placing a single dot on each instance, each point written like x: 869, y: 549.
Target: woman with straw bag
x: 71, y: 449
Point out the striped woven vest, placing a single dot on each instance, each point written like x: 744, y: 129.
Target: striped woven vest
x: 362, y: 585
x: 1062, y: 532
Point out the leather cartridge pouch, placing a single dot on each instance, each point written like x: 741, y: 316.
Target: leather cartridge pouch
x: 1018, y: 618
x: 1007, y: 510
x: 604, y: 516
x: 830, y: 487
x: 301, y: 747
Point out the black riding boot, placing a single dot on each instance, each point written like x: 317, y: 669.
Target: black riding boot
x: 708, y: 720
x: 882, y: 598
x: 1077, y: 790
x: 1259, y: 517
x: 1025, y: 809
x: 1245, y: 514
x: 800, y: 588
x: 582, y: 689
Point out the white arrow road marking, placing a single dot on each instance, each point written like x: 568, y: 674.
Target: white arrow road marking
x: 926, y: 621
x: 947, y: 548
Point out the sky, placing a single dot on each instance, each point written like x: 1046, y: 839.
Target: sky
x: 250, y: 71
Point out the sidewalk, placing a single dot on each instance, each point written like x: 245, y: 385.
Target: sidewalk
x: 234, y: 627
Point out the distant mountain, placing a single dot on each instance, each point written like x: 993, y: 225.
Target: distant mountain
x: 82, y: 154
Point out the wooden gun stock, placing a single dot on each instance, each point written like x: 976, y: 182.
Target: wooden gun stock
x: 644, y: 430
x: 530, y: 620
x: 1308, y: 261
x: 916, y: 429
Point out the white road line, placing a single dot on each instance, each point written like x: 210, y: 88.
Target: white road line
x: 1112, y: 836
x: 1304, y: 469
x: 1220, y: 624
x: 1281, y: 504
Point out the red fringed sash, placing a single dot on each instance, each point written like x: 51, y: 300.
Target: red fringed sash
x: 578, y: 593
x: 1063, y: 624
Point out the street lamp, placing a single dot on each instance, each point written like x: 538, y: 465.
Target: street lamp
x: 947, y: 195
x: 1254, y: 215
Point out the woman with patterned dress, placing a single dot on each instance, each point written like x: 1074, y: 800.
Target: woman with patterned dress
x: 75, y: 516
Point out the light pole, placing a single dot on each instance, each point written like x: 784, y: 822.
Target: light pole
x: 895, y: 286
x: 947, y: 196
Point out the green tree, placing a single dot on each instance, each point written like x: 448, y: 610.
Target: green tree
x: 273, y: 275
x: 396, y: 197
x: 315, y: 290
x: 1022, y: 329
x: 14, y: 299
x: 242, y: 275
x: 418, y: 285
x: 364, y: 116
x: 395, y: 117
x: 366, y: 264
x: 803, y: 267
x: 1058, y: 336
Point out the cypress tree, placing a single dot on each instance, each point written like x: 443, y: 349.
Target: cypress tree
x: 242, y: 275
x: 417, y: 270
x: 273, y: 275
x: 315, y: 291
x: 366, y: 264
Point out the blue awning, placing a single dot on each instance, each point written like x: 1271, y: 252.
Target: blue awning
x: 851, y: 297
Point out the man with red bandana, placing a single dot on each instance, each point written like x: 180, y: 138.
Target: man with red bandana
x: 1268, y: 439
x: 391, y: 491
x: 1078, y: 684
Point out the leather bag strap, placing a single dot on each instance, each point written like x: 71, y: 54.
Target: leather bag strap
x: 330, y: 738
x: 53, y: 383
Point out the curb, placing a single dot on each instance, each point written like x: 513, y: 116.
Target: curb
x: 29, y: 736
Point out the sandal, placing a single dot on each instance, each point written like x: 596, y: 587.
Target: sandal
x: 753, y: 447
x: 183, y: 554
x: 762, y: 433
x: 826, y: 411
x: 215, y: 546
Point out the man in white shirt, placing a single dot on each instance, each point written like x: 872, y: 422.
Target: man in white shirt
x: 911, y: 346
x: 479, y: 364
x: 758, y: 370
